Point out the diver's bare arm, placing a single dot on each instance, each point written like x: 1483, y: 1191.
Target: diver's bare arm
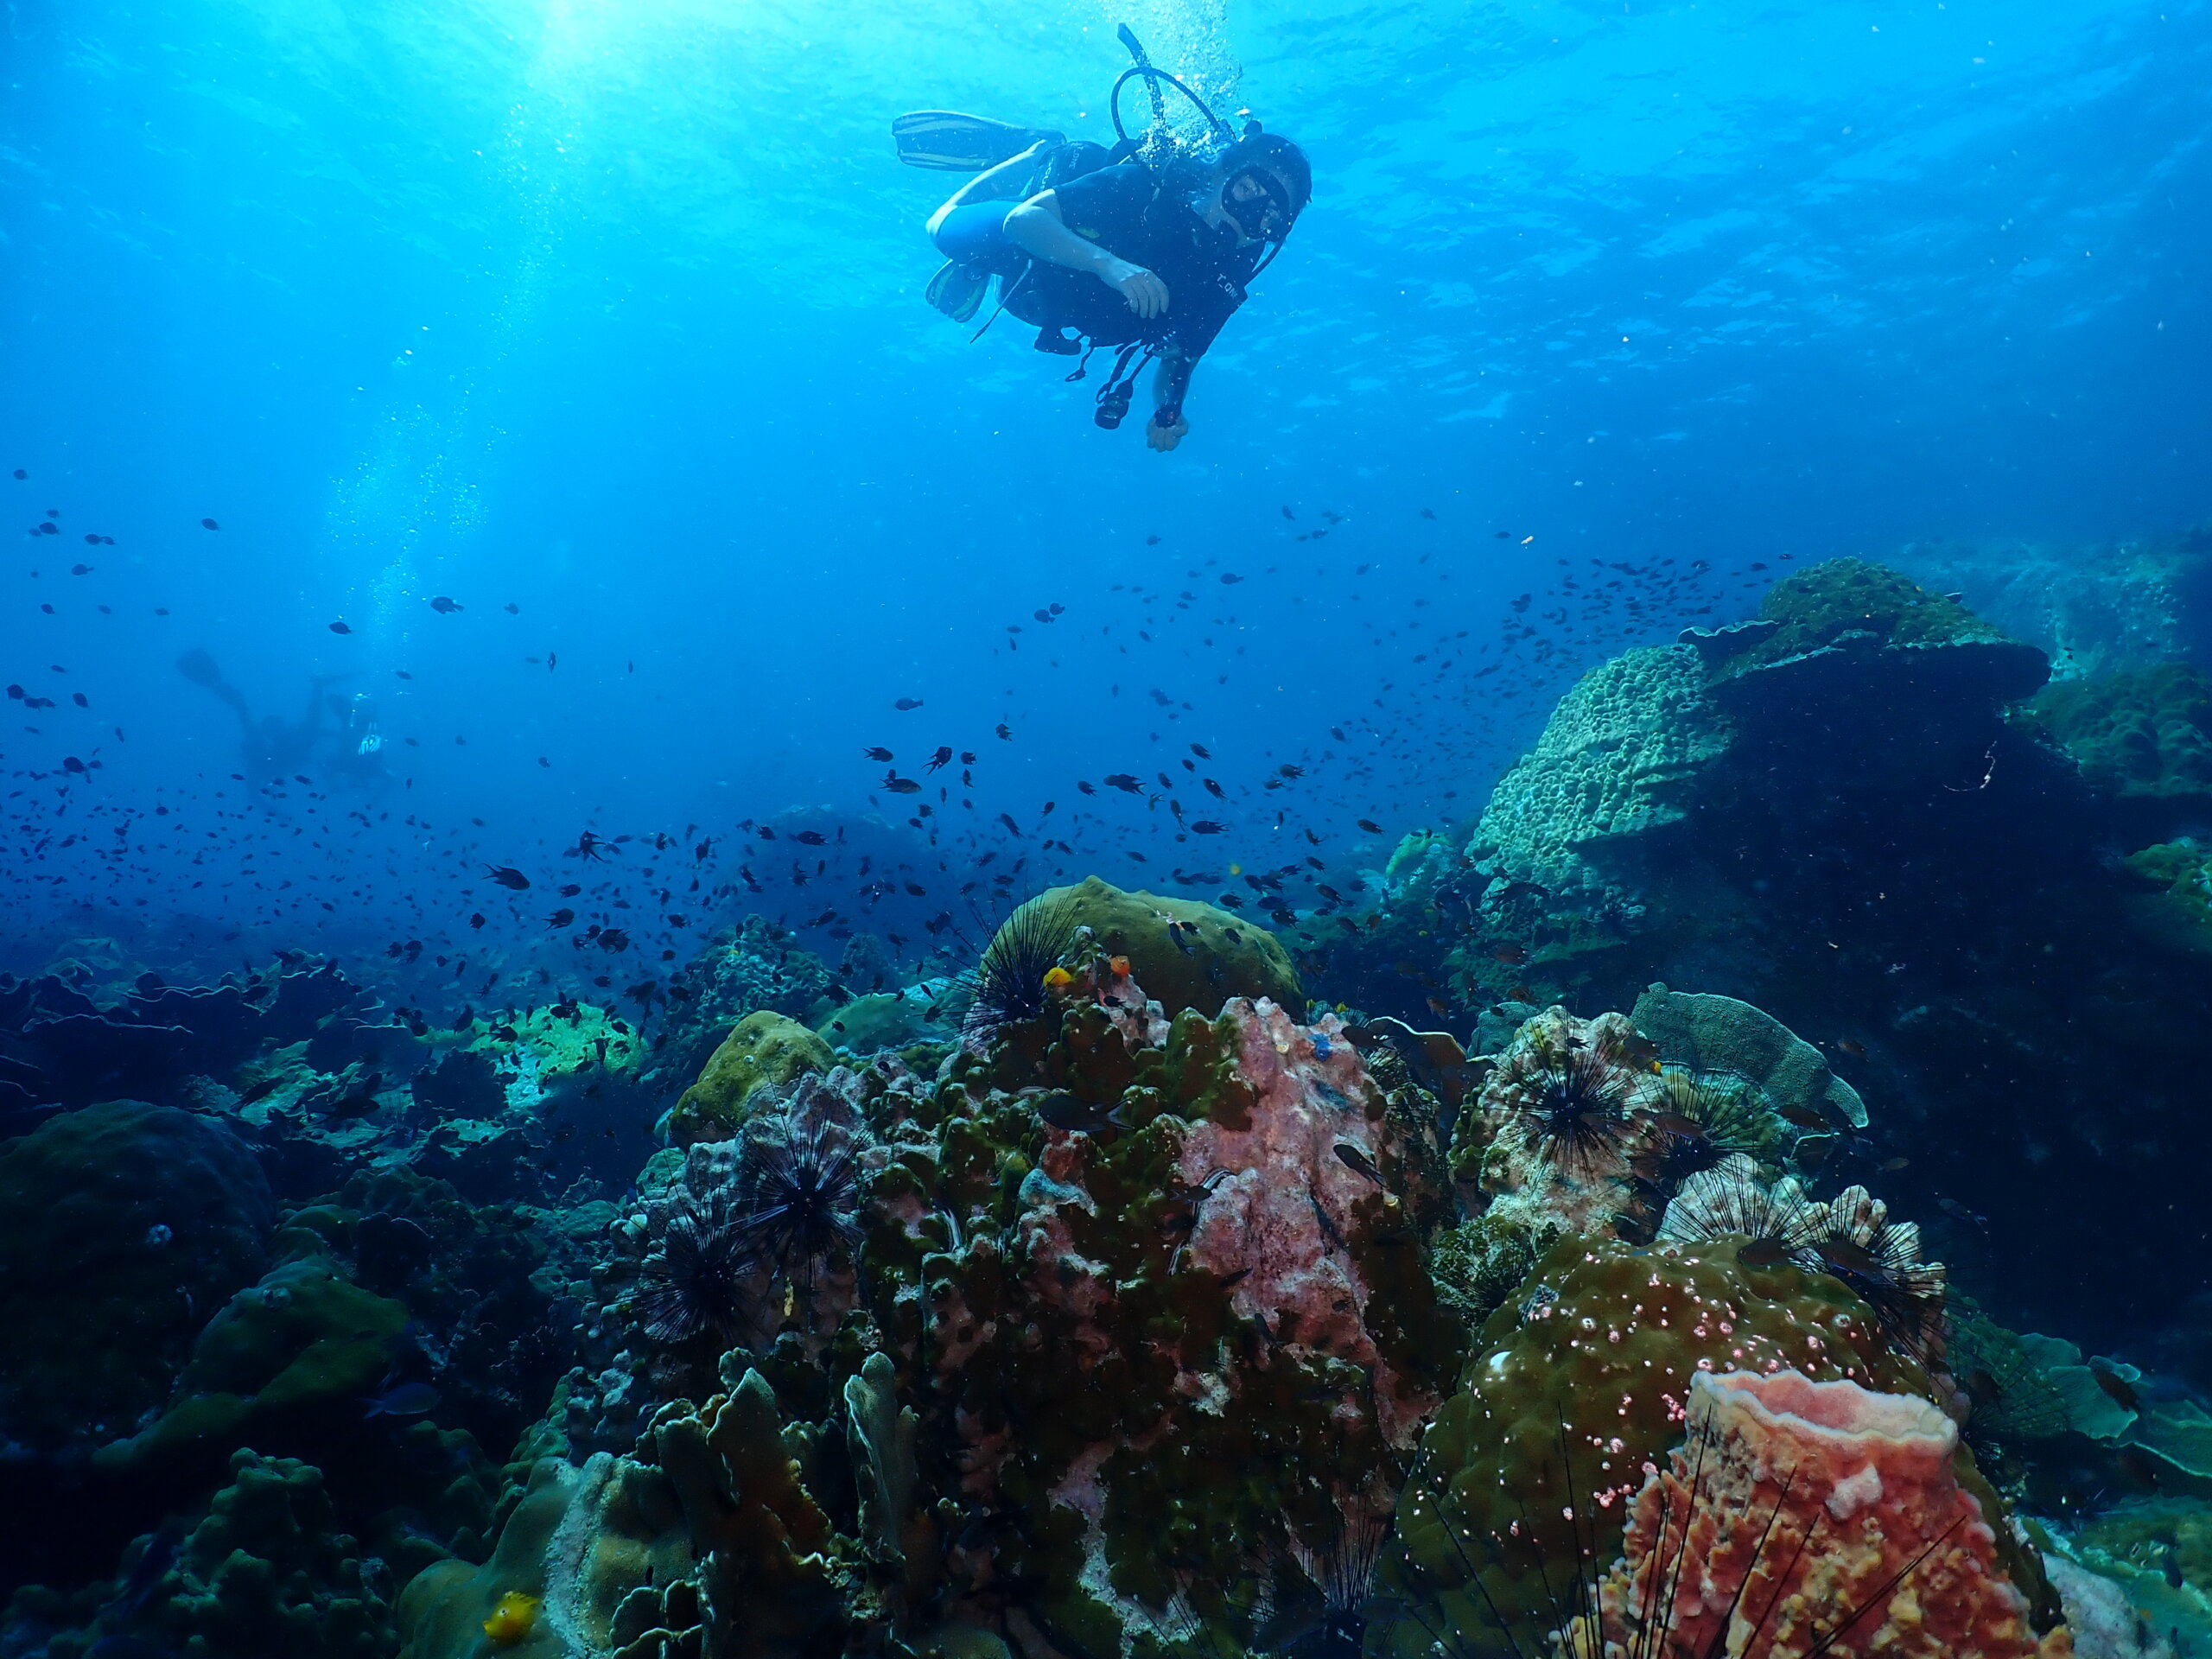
x: 1038, y: 230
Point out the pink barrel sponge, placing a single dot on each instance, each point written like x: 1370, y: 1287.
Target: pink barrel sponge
x: 1805, y: 1518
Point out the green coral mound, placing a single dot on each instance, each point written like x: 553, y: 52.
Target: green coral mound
x: 281, y: 1363
x: 121, y: 1225
x: 764, y: 1050
x: 1822, y: 603
x: 1187, y: 955
x: 1599, y: 1344
x: 2143, y: 732
x: 2174, y: 905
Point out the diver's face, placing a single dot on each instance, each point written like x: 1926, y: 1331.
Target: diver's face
x: 1257, y: 200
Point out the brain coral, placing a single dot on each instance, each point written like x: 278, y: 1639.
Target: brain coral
x: 1600, y: 1348
x: 1809, y: 1517
x: 1617, y: 761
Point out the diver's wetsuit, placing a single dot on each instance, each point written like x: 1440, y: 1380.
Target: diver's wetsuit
x: 1137, y: 214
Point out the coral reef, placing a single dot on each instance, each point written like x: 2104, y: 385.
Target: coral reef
x: 1615, y: 766
x: 1719, y: 1033
x: 2137, y: 733
x: 1600, y: 1343
x: 754, y: 968
x: 2173, y: 904
x: 123, y: 1226
x: 1187, y: 955
x: 1555, y: 1134
x: 1807, y: 1517
x: 762, y: 1050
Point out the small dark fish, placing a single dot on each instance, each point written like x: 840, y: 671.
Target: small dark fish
x: 1007, y: 818
x: 205, y: 524
x: 1064, y: 1111
x: 339, y: 627
x: 405, y: 1400
x: 1805, y: 1118
x: 1764, y: 1253
x: 877, y: 752
x: 512, y: 609
x: 1206, y: 827
x: 260, y: 1090
x: 1513, y: 956
x: 560, y: 918
x: 1958, y: 1212
x: 1125, y: 782
x: 810, y: 838
x: 1850, y: 1257
x: 508, y: 876
x: 1005, y: 731
x: 1369, y: 825
x: 443, y: 605
x: 941, y: 759
x: 899, y: 786
x: 2116, y: 1387
x: 1151, y: 541
x: 1857, y: 1050
x: 571, y: 890
x: 1889, y: 1165
x: 1427, y: 512
x: 1229, y: 580
x: 907, y: 705
x: 1682, y: 1128
x: 1357, y: 1161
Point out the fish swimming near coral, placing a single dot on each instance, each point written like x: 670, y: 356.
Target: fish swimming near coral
x: 513, y: 1620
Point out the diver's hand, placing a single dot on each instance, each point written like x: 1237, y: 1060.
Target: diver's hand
x: 1146, y: 293
x: 1163, y: 438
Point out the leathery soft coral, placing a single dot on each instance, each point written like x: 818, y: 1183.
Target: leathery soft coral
x: 1805, y: 1517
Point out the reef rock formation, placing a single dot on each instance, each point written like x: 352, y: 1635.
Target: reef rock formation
x: 122, y: 1227
x: 1576, y: 1385
x: 1187, y: 955
x: 1807, y: 1517
x: 762, y: 1051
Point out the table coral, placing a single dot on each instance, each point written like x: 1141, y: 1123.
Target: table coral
x: 1806, y: 1517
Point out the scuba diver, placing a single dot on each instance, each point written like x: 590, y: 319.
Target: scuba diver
x: 1143, y: 247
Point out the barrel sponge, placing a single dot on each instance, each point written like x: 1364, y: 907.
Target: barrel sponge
x: 1842, y: 1509
x: 1601, y: 1344
x: 763, y: 1049
x: 1185, y: 954
x: 1617, y: 759
x: 122, y: 1227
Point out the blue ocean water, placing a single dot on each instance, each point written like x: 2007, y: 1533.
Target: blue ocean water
x: 448, y: 437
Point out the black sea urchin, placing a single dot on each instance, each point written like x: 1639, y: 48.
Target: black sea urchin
x: 1573, y: 1101
x: 798, y: 1181
x: 1008, y: 986
x: 692, y: 1280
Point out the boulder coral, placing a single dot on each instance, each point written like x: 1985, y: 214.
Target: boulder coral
x: 1805, y: 1517
x: 122, y: 1227
x: 762, y: 1050
x: 1596, y: 1354
x: 1186, y: 954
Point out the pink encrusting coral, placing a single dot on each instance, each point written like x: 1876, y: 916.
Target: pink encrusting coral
x: 1806, y: 1517
x: 1286, y: 1198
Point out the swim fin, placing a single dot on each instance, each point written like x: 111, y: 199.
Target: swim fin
x: 952, y: 143
x: 957, y: 290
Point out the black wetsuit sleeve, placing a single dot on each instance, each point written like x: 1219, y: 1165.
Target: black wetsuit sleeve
x: 1200, y: 304
x: 1106, y: 207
